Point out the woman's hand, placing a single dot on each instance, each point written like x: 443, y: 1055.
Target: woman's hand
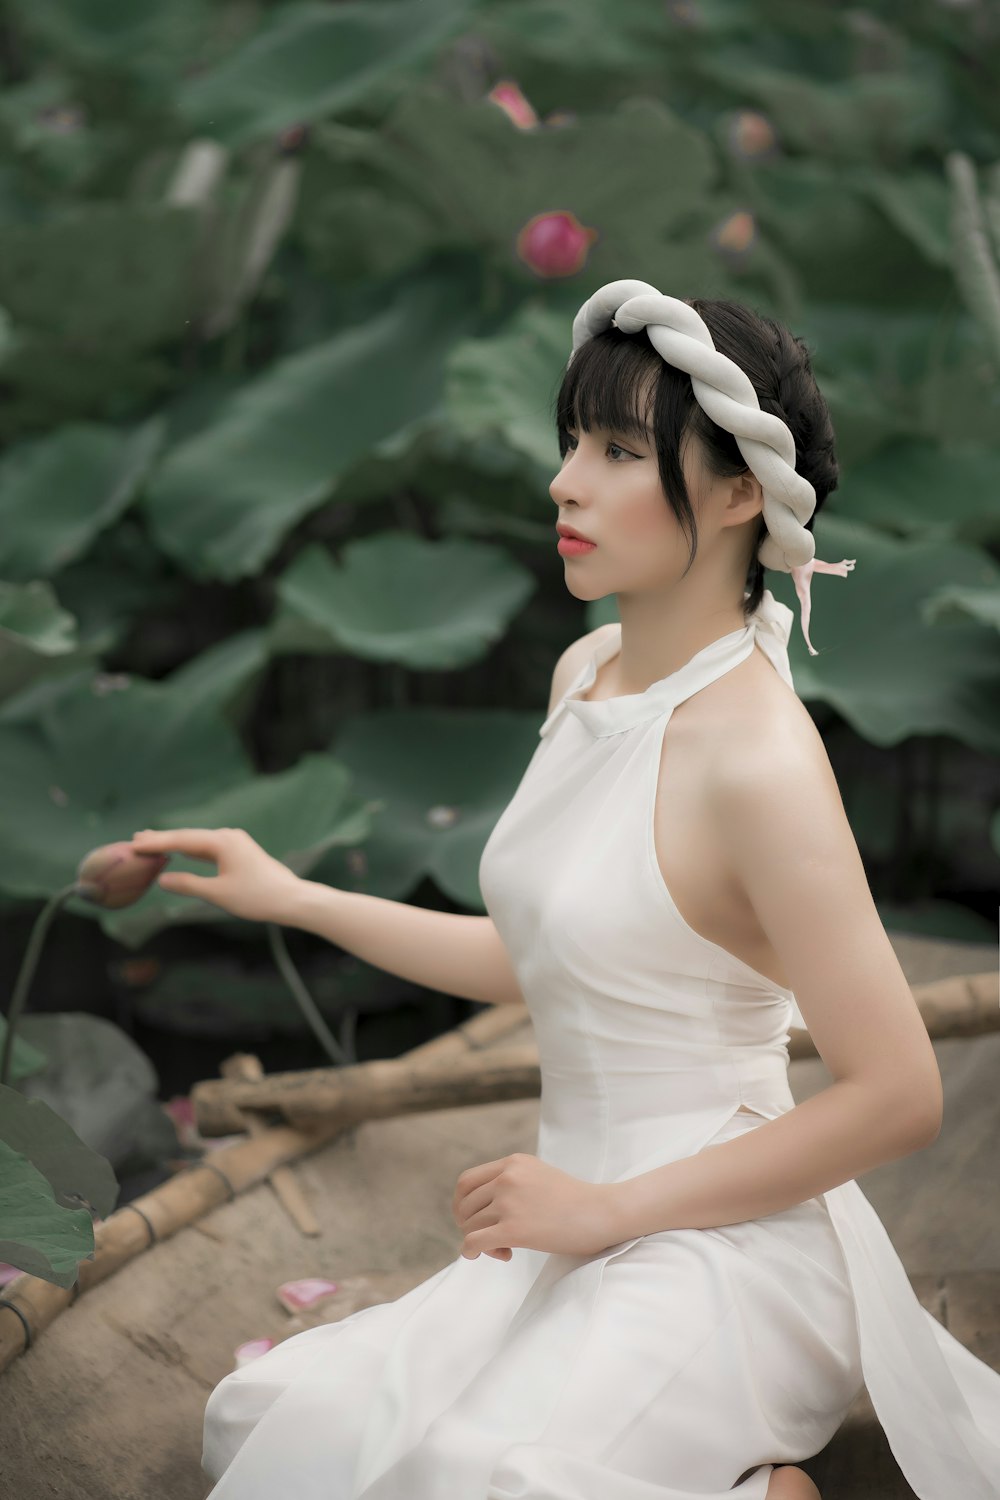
x: 520, y: 1200
x: 249, y: 882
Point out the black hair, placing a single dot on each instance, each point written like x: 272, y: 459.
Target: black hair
x: 604, y: 383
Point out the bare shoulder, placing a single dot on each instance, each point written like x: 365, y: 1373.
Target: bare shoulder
x: 573, y: 658
x: 782, y: 829
x: 766, y: 724
x: 769, y: 777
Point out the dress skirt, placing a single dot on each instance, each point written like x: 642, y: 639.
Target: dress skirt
x: 706, y: 1356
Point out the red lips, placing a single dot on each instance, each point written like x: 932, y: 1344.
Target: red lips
x: 564, y: 530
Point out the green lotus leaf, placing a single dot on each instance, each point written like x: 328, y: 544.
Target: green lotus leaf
x: 39, y: 1236
x: 399, y: 597
x: 926, y: 490
x: 308, y: 60
x: 74, y: 1169
x: 844, y: 250
x: 58, y: 492
x: 222, y: 501
x: 443, y: 777
x: 112, y: 35
x: 615, y: 38
x: 887, y: 670
x: 506, y: 384
x: 91, y: 329
x: 34, y: 630
x: 899, y: 373
x: 952, y: 601
x: 72, y: 276
x: 917, y: 202
x: 108, y: 756
x: 224, y: 674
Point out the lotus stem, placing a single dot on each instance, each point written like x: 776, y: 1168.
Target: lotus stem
x: 303, y: 999
x: 26, y: 973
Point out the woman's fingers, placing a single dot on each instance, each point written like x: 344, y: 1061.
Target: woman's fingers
x: 200, y: 843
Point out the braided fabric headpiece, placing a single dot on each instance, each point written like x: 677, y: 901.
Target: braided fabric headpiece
x: 680, y: 336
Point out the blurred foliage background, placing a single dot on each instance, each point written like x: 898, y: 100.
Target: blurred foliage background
x: 286, y: 290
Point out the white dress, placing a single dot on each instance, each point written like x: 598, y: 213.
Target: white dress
x: 669, y: 1366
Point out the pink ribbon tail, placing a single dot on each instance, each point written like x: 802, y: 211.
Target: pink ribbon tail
x: 802, y: 578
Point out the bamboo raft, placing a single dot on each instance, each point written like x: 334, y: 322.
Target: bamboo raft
x: 104, y: 1384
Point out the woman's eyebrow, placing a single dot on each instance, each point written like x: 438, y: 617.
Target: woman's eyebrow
x: 634, y: 434
x: 630, y: 434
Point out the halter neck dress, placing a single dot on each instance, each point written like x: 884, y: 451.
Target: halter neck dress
x: 681, y: 1365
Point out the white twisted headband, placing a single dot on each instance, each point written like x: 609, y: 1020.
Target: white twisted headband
x: 680, y: 336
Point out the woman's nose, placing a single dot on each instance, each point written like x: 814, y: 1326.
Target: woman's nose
x: 563, y: 486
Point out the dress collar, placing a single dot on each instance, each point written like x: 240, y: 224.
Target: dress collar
x: 769, y: 627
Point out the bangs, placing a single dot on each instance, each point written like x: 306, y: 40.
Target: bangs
x: 611, y: 383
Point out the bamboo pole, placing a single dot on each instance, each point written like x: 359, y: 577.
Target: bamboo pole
x: 198, y: 1189
x: 965, y: 1005
x: 370, y: 1090
x: 287, y: 1187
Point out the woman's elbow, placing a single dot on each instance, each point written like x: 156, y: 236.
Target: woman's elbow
x: 929, y: 1118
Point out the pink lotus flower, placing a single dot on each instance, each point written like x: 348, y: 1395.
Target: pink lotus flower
x: 751, y: 135
x: 555, y: 244
x: 735, y: 236
x: 514, y: 105
x: 117, y: 875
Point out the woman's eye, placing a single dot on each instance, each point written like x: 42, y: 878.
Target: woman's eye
x: 571, y: 441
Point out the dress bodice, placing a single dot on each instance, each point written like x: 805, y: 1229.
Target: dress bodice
x: 638, y: 1017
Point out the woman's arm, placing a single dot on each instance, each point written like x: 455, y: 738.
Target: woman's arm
x: 782, y: 823
x: 447, y: 951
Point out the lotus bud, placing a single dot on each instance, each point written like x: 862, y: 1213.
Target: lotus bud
x: 555, y: 244
x: 751, y: 136
x: 292, y: 140
x: 514, y: 105
x: 735, y: 237
x: 117, y: 875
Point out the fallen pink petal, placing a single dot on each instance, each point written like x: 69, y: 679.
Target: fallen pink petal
x: 244, y: 1354
x: 297, y: 1296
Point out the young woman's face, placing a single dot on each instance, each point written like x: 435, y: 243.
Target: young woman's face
x: 608, y: 489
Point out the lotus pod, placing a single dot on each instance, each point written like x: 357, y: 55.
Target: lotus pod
x: 117, y: 875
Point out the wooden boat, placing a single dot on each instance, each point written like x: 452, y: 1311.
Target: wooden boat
x: 106, y: 1402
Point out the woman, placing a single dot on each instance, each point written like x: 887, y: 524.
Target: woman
x: 683, y: 1290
